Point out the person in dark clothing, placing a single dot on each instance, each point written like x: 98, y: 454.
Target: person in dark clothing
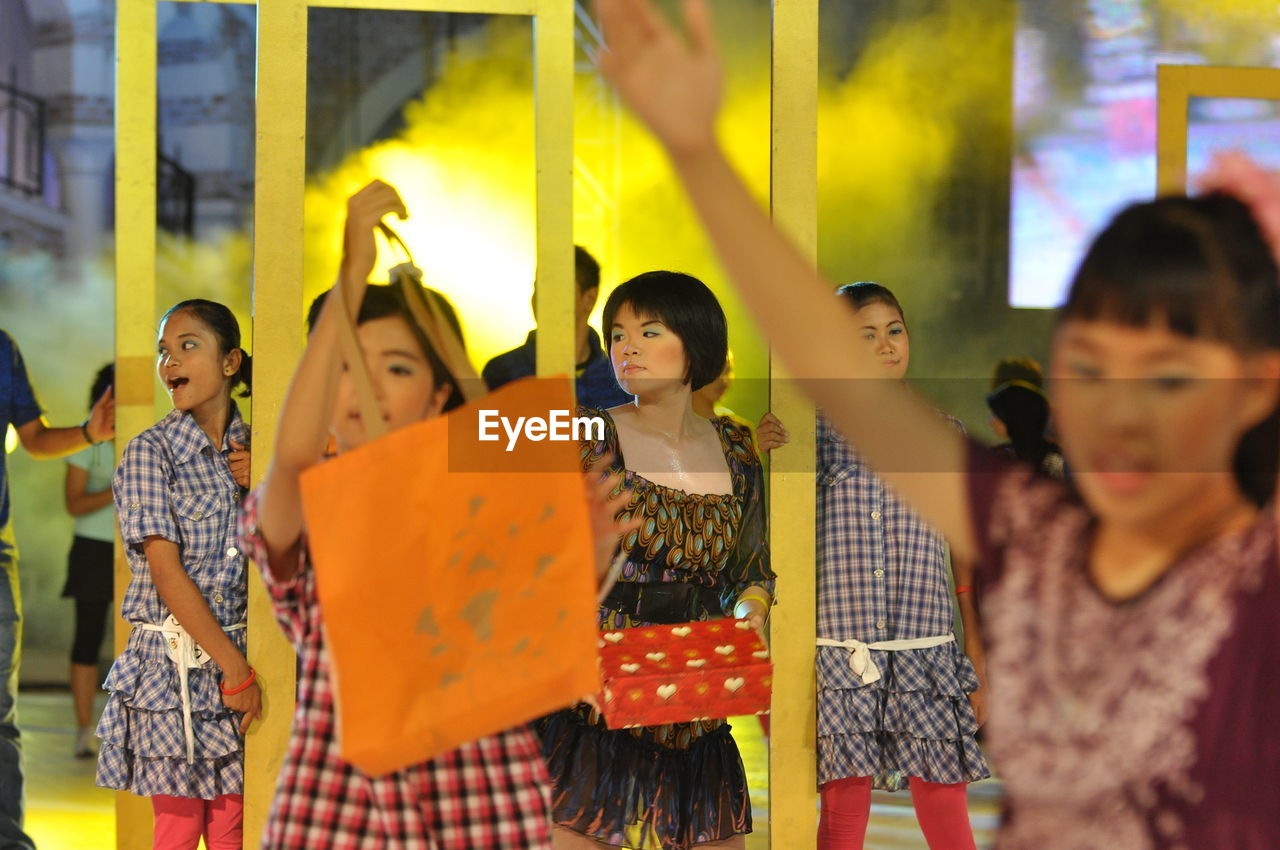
x: 596, y: 385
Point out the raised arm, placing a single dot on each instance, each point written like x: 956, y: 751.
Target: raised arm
x: 44, y: 442
x: 673, y: 85
x: 308, y: 404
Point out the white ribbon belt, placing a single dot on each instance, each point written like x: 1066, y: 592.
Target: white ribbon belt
x: 860, y: 653
x: 187, y: 654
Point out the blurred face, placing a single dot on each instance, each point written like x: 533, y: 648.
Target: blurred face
x: 190, y: 363
x: 1150, y: 420
x: 647, y: 356
x: 882, y: 329
x: 402, y: 380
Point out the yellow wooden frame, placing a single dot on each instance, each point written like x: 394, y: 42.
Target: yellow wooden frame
x: 1175, y: 86
x: 793, y: 804
x: 277, y: 313
x: 280, y: 156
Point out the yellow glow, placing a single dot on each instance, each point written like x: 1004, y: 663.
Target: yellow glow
x: 10, y: 440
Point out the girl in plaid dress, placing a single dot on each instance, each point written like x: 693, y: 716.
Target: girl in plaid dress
x: 490, y: 794
x: 898, y: 701
x: 1130, y: 617
x: 182, y: 694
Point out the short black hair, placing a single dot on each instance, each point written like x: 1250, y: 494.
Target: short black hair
x: 106, y: 377
x: 219, y: 319
x: 382, y: 301
x: 866, y: 292
x: 586, y: 271
x: 685, y: 305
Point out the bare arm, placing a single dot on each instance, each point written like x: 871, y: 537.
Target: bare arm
x: 962, y: 570
x: 308, y: 404
x: 674, y: 88
x: 78, y: 498
x: 184, y: 600
x: 44, y: 442
x: 181, y: 596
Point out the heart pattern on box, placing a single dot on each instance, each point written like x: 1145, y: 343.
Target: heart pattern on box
x: 671, y: 673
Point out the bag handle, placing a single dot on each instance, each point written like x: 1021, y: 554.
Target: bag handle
x: 427, y: 315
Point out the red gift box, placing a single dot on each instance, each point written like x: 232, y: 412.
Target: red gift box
x: 677, y: 673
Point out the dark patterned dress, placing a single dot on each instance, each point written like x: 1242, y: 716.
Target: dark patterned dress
x: 676, y: 785
x: 1143, y: 724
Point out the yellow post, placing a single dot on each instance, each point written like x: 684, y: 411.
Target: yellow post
x: 135, y: 270
x: 1175, y: 86
x: 553, y: 134
x: 1171, y: 129
x: 794, y: 203
x: 279, y: 176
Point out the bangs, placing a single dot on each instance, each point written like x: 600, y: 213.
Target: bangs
x: 1163, y: 270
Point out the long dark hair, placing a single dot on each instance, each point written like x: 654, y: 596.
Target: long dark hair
x: 219, y: 319
x: 1201, y: 266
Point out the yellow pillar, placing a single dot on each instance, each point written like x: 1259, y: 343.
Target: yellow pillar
x: 793, y: 201
x: 279, y: 176
x: 553, y: 135
x: 135, y: 270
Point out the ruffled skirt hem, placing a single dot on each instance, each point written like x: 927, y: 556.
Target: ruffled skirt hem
x: 628, y: 792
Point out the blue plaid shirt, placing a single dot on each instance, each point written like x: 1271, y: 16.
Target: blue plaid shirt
x: 171, y: 483
x: 882, y: 571
x: 18, y: 406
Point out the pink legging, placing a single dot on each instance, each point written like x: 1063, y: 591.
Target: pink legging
x: 180, y: 821
x: 941, y: 809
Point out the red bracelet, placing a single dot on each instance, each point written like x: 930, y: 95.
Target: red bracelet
x: 222, y: 686
x: 964, y: 588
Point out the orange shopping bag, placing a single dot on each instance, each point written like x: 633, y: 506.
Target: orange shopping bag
x: 458, y: 587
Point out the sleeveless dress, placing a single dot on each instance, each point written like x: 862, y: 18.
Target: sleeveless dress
x: 675, y: 785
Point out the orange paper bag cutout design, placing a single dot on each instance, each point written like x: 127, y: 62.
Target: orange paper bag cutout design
x: 457, y: 603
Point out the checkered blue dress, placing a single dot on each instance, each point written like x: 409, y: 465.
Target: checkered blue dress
x: 172, y: 483
x: 882, y: 575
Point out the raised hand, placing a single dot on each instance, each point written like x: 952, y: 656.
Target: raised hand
x: 365, y: 209
x: 673, y: 85
x: 102, y: 419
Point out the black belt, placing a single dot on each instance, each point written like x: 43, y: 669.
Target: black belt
x: 660, y: 601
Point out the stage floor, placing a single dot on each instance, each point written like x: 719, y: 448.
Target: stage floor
x: 65, y: 811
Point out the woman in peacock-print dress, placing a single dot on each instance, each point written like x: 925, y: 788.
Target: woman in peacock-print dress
x: 700, y: 553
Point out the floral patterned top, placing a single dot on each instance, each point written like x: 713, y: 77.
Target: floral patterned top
x: 717, y: 541
x: 1144, y: 724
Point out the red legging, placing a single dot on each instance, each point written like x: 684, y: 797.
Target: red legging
x: 941, y: 809
x: 180, y: 821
